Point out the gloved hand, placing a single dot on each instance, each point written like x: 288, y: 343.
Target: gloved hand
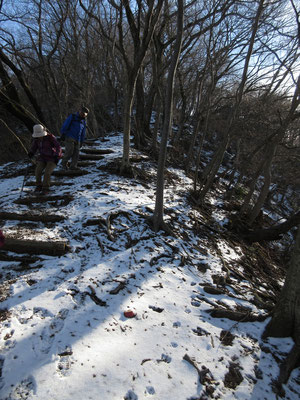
x: 56, y: 159
x: 80, y: 145
x: 62, y: 137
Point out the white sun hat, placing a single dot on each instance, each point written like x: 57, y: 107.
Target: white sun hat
x: 39, y: 131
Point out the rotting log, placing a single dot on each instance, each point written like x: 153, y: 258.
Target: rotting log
x: 21, y: 259
x: 28, y: 246
x: 70, y: 172
x: 43, y: 199
x: 53, y: 183
x: 96, y: 151
x: 31, y: 217
x: 91, y: 157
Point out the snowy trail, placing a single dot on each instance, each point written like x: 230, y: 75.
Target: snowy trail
x: 63, y: 332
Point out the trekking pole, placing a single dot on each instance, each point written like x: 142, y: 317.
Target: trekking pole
x: 25, y: 177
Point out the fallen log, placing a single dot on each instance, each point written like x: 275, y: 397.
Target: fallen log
x: 21, y: 259
x: 26, y: 246
x: 273, y: 233
x: 53, y: 183
x: 31, y: 217
x: 70, y: 172
x: 96, y: 151
x: 91, y: 157
x: 236, y: 315
x: 42, y: 199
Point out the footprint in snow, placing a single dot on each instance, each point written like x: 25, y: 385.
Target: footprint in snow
x: 130, y: 395
x: 23, y: 390
x: 44, y: 341
x: 42, y: 312
x: 65, y: 361
x: 150, y: 390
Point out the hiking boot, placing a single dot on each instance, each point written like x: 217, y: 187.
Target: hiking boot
x: 38, y: 188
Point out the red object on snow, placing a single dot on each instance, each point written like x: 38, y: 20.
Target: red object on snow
x: 2, y: 239
x: 129, y: 314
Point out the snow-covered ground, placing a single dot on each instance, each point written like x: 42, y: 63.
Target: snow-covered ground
x: 63, y: 332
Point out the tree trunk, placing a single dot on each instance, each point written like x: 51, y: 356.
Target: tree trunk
x: 273, y: 233
x: 285, y: 321
x: 267, y: 181
x: 139, y: 135
x: 27, y: 90
x: 286, y: 316
x: 128, y: 102
x: 214, y: 165
x: 159, y: 203
x: 253, y: 181
x: 11, y: 101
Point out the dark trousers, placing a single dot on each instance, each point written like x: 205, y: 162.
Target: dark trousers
x: 47, y: 168
x: 71, y: 152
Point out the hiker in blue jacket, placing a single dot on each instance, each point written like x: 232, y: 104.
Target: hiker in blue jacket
x: 73, y: 133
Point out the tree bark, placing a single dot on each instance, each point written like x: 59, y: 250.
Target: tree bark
x: 159, y: 203
x: 286, y: 316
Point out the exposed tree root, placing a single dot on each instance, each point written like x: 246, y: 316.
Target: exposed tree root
x: 160, y: 225
x: 237, y: 315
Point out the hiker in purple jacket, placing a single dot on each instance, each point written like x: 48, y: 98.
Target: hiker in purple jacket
x: 49, y: 154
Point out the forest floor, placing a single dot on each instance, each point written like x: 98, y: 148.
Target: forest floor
x: 101, y: 306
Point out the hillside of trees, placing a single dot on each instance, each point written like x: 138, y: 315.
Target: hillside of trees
x: 209, y: 86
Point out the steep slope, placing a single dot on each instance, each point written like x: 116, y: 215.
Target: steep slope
x: 200, y: 299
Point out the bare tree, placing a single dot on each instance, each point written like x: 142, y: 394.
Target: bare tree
x: 157, y: 217
x: 286, y: 315
x: 141, y: 22
x: 212, y: 168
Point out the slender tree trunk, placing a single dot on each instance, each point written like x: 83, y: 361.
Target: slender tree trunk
x: 11, y: 101
x: 246, y: 203
x: 267, y: 181
x: 159, y: 203
x: 128, y: 103
x: 214, y: 165
x: 157, y: 123
x: 286, y: 316
x: 285, y: 321
x: 139, y: 135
